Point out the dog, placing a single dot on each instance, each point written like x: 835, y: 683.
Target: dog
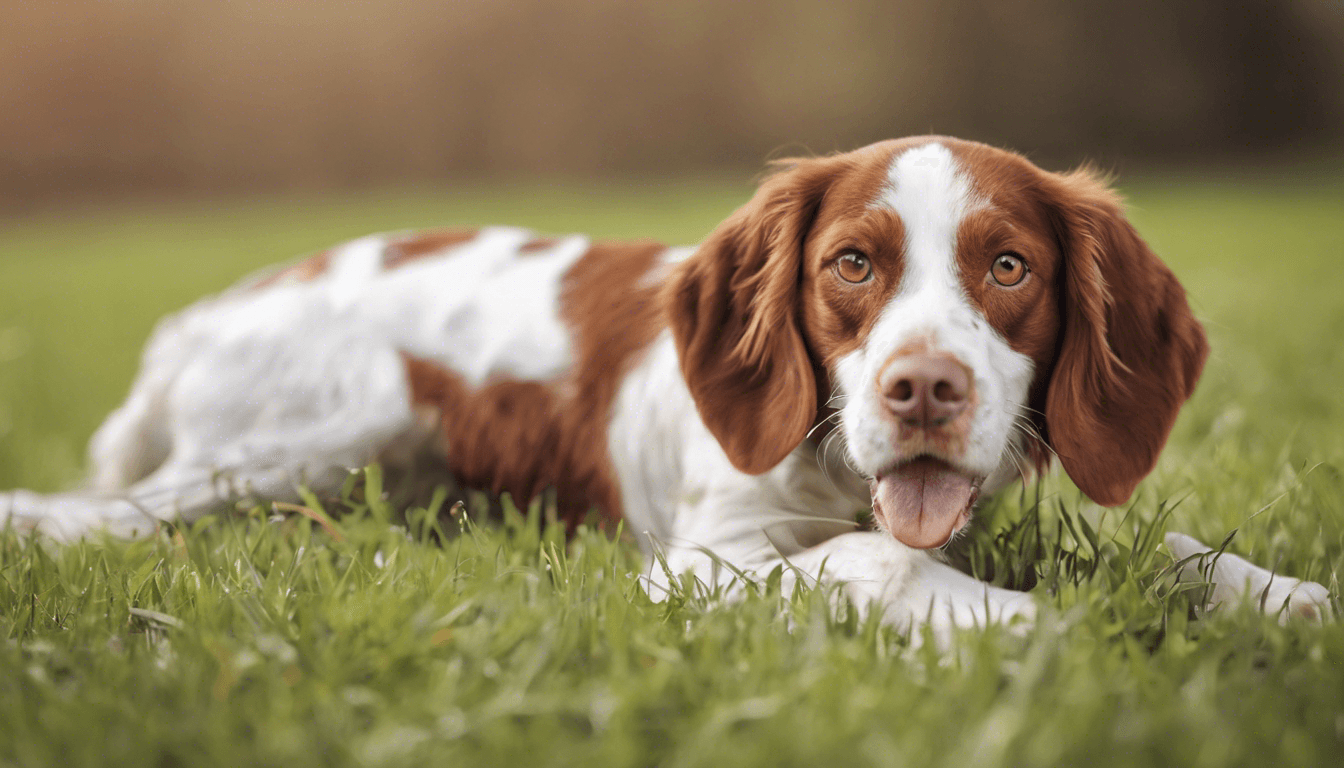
x: 905, y: 328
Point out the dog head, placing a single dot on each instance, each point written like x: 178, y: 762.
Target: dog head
x: 966, y: 314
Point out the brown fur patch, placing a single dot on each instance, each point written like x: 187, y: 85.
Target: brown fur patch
x: 734, y: 308
x: 499, y: 438
x: 308, y: 269
x: 539, y: 244
x: 1015, y: 220
x: 401, y: 250
x: 1130, y: 352
x: 523, y: 436
x: 838, y: 315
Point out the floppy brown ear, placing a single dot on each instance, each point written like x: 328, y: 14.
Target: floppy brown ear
x: 734, y: 312
x: 1131, y: 351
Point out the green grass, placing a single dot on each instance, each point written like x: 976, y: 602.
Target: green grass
x: 387, y: 642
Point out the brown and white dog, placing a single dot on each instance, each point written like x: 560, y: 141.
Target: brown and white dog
x: 938, y: 317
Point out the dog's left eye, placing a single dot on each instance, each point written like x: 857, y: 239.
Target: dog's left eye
x: 1008, y: 269
x: 854, y: 267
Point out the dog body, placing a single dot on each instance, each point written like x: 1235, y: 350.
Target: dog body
x: 905, y: 327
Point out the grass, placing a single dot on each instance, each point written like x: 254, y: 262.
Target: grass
x: 384, y: 640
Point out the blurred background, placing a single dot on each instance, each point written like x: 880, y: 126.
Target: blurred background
x: 110, y: 97
x: 154, y: 151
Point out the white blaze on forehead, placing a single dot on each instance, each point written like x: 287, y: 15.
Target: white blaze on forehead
x: 926, y: 189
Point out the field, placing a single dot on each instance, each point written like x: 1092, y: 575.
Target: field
x: 384, y: 638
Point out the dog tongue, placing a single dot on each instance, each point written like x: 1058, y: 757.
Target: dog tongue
x: 924, y: 502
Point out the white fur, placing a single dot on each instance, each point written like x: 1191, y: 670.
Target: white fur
x: 483, y: 312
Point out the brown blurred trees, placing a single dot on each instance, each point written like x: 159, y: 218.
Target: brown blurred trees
x: 114, y: 95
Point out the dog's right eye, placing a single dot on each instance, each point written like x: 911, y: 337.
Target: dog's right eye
x: 854, y: 267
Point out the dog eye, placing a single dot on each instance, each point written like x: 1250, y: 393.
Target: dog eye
x: 854, y: 267
x: 1008, y: 269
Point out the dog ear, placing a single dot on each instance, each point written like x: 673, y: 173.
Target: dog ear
x: 1131, y: 350
x: 734, y: 312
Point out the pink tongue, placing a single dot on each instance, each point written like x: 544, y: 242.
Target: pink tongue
x: 924, y: 502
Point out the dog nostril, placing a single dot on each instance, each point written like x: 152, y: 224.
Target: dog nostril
x: 945, y: 392
x: 902, y: 391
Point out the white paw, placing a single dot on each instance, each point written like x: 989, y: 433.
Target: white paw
x: 1300, y: 598
x: 949, y: 607
x: 924, y: 592
x: 17, y: 510
x: 1233, y: 579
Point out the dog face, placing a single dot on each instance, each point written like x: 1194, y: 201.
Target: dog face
x: 967, y: 314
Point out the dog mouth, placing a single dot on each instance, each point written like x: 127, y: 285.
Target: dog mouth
x: 924, y: 501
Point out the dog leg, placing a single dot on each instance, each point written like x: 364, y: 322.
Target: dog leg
x: 252, y: 416
x: 68, y: 516
x: 907, y: 587
x: 910, y: 588
x: 1232, y: 579
x: 175, y: 492
x: 801, y: 519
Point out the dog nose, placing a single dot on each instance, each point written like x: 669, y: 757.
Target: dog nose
x: 926, y: 390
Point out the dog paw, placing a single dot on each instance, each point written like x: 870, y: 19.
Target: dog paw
x: 1233, y: 579
x: 946, y: 601
x: 1293, y: 597
x: 978, y: 607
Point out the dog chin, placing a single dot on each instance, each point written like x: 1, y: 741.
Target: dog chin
x: 924, y: 501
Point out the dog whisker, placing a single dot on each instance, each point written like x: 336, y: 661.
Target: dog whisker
x: 821, y: 423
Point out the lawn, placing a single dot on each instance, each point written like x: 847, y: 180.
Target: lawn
x: 389, y: 637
